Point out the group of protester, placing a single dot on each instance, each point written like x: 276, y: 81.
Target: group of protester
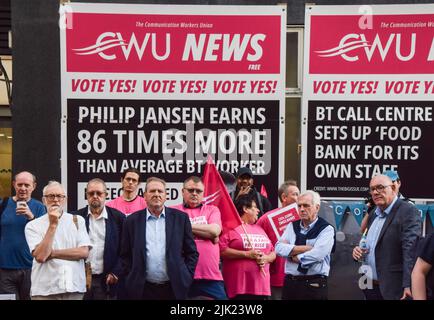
x: 135, y: 247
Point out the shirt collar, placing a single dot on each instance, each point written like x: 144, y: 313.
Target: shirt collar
x: 310, y: 226
x: 131, y: 199
x: 188, y: 207
x: 378, y: 211
x: 150, y: 216
x: 102, y: 215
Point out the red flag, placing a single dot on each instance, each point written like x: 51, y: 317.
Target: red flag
x: 264, y: 191
x: 215, y: 193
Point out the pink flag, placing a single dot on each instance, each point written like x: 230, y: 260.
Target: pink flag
x: 264, y: 191
x: 216, y: 194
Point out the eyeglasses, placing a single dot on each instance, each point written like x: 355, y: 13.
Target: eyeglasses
x: 51, y: 197
x: 97, y: 193
x: 380, y: 188
x: 192, y: 190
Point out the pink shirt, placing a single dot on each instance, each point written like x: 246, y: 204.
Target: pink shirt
x: 127, y: 207
x: 209, y: 253
x: 277, y: 268
x: 243, y: 276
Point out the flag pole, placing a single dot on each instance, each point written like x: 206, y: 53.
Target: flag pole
x: 251, y: 246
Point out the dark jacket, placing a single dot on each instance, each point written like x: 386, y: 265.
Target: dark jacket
x: 394, y: 256
x: 263, y: 204
x: 181, y: 253
x: 113, y: 235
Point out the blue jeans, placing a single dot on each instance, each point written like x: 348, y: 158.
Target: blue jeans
x: 211, y: 289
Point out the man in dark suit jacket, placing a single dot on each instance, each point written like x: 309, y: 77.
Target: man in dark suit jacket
x: 104, y: 225
x: 393, y: 228
x: 158, y: 252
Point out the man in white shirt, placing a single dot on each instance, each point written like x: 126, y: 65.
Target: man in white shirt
x: 104, y: 225
x: 59, y: 244
x: 307, y: 245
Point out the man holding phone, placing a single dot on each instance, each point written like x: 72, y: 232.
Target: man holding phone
x: 15, y: 257
x: 245, y: 186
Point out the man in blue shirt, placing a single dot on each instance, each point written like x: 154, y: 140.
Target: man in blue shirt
x: 393, y: 228
x: 15, y: 257
x: 158, y: 252
x: 393, y: 175
x: 307, y: 245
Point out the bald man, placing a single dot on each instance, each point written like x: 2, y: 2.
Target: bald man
x: 15, y: 257
x: 393, y: 228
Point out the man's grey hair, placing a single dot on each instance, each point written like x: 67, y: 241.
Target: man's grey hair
x: 316, y: 198
x: 97, y: 180
x: 383, y: 176
x: 283, y: 189
x: 33, y: 176
x: 52, y: 183
x: 195, y: 179
x: 154, y: 179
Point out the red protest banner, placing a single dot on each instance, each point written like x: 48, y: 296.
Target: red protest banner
x: 215, y: 193
x: 279, y: 218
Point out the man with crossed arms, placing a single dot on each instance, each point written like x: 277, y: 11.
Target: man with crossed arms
x: 206, y: 225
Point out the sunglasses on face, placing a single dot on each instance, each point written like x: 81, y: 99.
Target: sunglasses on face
x: 193, y: 190
x: 97, y: 193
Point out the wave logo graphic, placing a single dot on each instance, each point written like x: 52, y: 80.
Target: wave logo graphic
x: 212, y: 198
x: 380, y: 47
x: 101, y: 46
x: 110, y: 40
x: 343, y: 48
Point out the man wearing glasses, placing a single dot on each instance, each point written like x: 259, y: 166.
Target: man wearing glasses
x: 129, y: 201
x: 393, y: 175
x: 59, y: 244
x: 104, y: 225
x: 393, y: 228
x: 206, y: 224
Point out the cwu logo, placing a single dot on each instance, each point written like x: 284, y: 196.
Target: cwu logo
x: 352, y: 46
x: 107, y: 41
x: 213, y: 198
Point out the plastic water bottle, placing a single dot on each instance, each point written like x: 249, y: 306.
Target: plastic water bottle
x: 363, y: 244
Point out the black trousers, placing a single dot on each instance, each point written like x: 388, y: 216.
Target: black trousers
x: 98, y: 289
x: 16, y: 281
x: 305, y: 288
x: 374, y: 293
x: 153, y: 291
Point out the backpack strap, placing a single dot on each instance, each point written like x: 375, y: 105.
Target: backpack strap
x: 74, y: 218
x: 87, y: 266
x: 3, y: 205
